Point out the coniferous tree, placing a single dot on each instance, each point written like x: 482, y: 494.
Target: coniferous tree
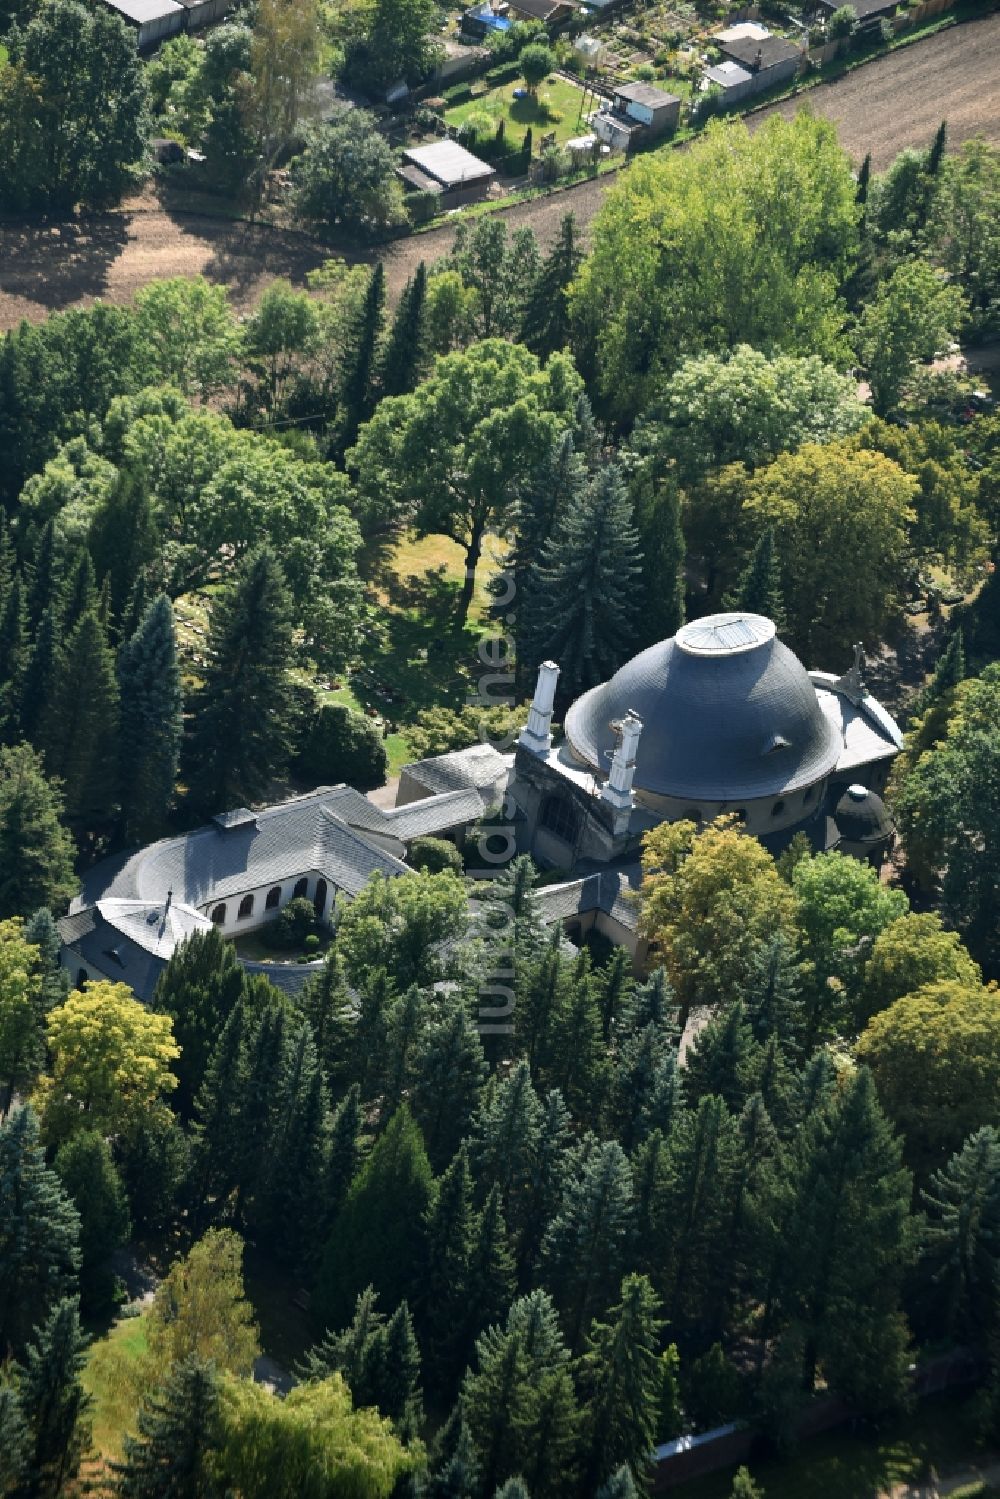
x: 406, y: 1020
x: 39, y: 1233
x: 344, y: 1154
x: 450, y: 1233
x: 293, y: 1181
x: 691, y: 1213
x: 152, y: 722
x: 654, y: 1001
x: 949, y: 670
x: 87, y: 1172
x: 44, y: 576
x: 176, y: 1435
x: 41, y: 931
x: 327, y: 1004
x: 456, y: 1472
x: 406, y: 351
x: 217, y: 1144
x: 245, y: 712
x: 773, y: 991
x: 622, y: 1377
x: 491, y: 1272
x: 124, y: 545
x: 82, y: 722
x: 394, y: 1374
x: 54, y: 1400
x: 719, y: 1059
x: 935, y: 156
x: 645, y: 1064
x: 514, y: 1488
x: 519, y: 1402
x: 347, y: 1352
x: 39, y: 679
x: 14, y: 651
x: 378, y: 1236
x: 545, y: 326
x: 79, y: 591
x: 548, y: 1180
x: 540, y: 1000
x: 504, y: 1144
x: 864, y: 178
x: 357, y: 393
x: 578, y: 1068
x: 14, y: 1443
x: 621, y: 1485
x: 960, y: 1249
x: 198, y: 989
x: 266, y: 1060
x: 587, y: 614
x: 615, y: 993
x: 657, y: 506
x: 449, y: 1072
x: 847, y: 1245
x: 587, y: 1243
x: 758, y: 588
x: 36, y: 851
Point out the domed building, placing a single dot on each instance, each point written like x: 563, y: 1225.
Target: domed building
x: 721, y: 718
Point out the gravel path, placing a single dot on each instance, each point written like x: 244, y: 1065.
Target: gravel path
x: 894, y: 102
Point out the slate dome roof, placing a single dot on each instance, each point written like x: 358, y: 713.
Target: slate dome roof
x: 861, y: 816
x: 728, y: 714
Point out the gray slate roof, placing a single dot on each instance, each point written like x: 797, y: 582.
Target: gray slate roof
x: 101, y: 946
x: 645, y: 93
x: 479, y: 765
x: 728, y: 713
x: 607, y: 890
x: 771, y: 51
x: 210, y: 863
x: 432, y: 814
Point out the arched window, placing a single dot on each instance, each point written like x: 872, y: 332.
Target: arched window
x: 777, y: 809
x: 740, y: 813
x: 81, y: 977
x: 691, y: 814
x: 319, y: 900
x: 273, y: 898
x: 301, y: 888
x: 557, y: 815
x: 246, y: 907
x: 219, y: 915
x: 808, y: 795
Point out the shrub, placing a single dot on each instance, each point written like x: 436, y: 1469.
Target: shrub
x: 435, y: 855
x: 843, y: 23
x: 644, y: 73
x: 342, y: 745
x: 294, y: 925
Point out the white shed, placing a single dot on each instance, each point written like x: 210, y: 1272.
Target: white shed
x: 154, y: 20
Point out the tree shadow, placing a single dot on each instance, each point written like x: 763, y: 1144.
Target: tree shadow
x: 56, y: 262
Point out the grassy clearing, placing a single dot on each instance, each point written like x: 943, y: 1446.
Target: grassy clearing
x: 937, y: 1438
x: 555, y: 94
x: 115, y: 1378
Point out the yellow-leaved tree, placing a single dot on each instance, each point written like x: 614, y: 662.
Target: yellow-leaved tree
x: 710, y: 900
x: 111, y: 1059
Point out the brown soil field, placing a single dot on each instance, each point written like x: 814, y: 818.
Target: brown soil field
x: 893, y: 102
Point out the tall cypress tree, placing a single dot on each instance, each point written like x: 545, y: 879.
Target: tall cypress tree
x: 406, y: 350
x: 545, y: 326
x: 504, y: 1144
x: 245, y: 712
x: 39, y: 1233
x: 344, y: 1155
x: 935, y: 156
x: 176, y: 1435
x: 758, y: 588
x: 149, y: 683
x: 394, y: 1374
x: 80, y: 589
x: 657, y: 506
x: 217, y: 1141
x: 588, y: 610
x: 359, y: 364
x: 14, y: 652
x: 54, y: 1400
x: 292, y: 1186
x: 720, y: 1059
x: 124, y: 545
x: 491, y: 1272
x: 548, y: 1181
x: 328, y: 1005
x: 82, y: 723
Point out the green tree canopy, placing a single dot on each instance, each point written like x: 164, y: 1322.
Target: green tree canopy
x: 346, y: 176
x: 914, y: 316
x: 448, y: 457
x: 73, y: 121
x: 743, y: 239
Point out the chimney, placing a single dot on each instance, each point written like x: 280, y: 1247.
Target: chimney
x: 537, y: 735
x: 617, y: 789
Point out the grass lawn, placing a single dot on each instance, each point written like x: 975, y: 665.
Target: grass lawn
x: 113, y: 1377
x: 937, y: 1438
x: 499, y: 103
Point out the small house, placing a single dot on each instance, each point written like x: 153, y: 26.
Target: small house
x: 485, y: 19
x: 153, y: 20
x: 448, y: 170
x: 637, y: 112
x: 770, y: 60
x: 551, y: 13
x: 205, y: 12
x: 870, y: 13
x: 735, y: 82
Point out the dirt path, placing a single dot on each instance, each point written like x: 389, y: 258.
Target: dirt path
x: 894, y: 102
